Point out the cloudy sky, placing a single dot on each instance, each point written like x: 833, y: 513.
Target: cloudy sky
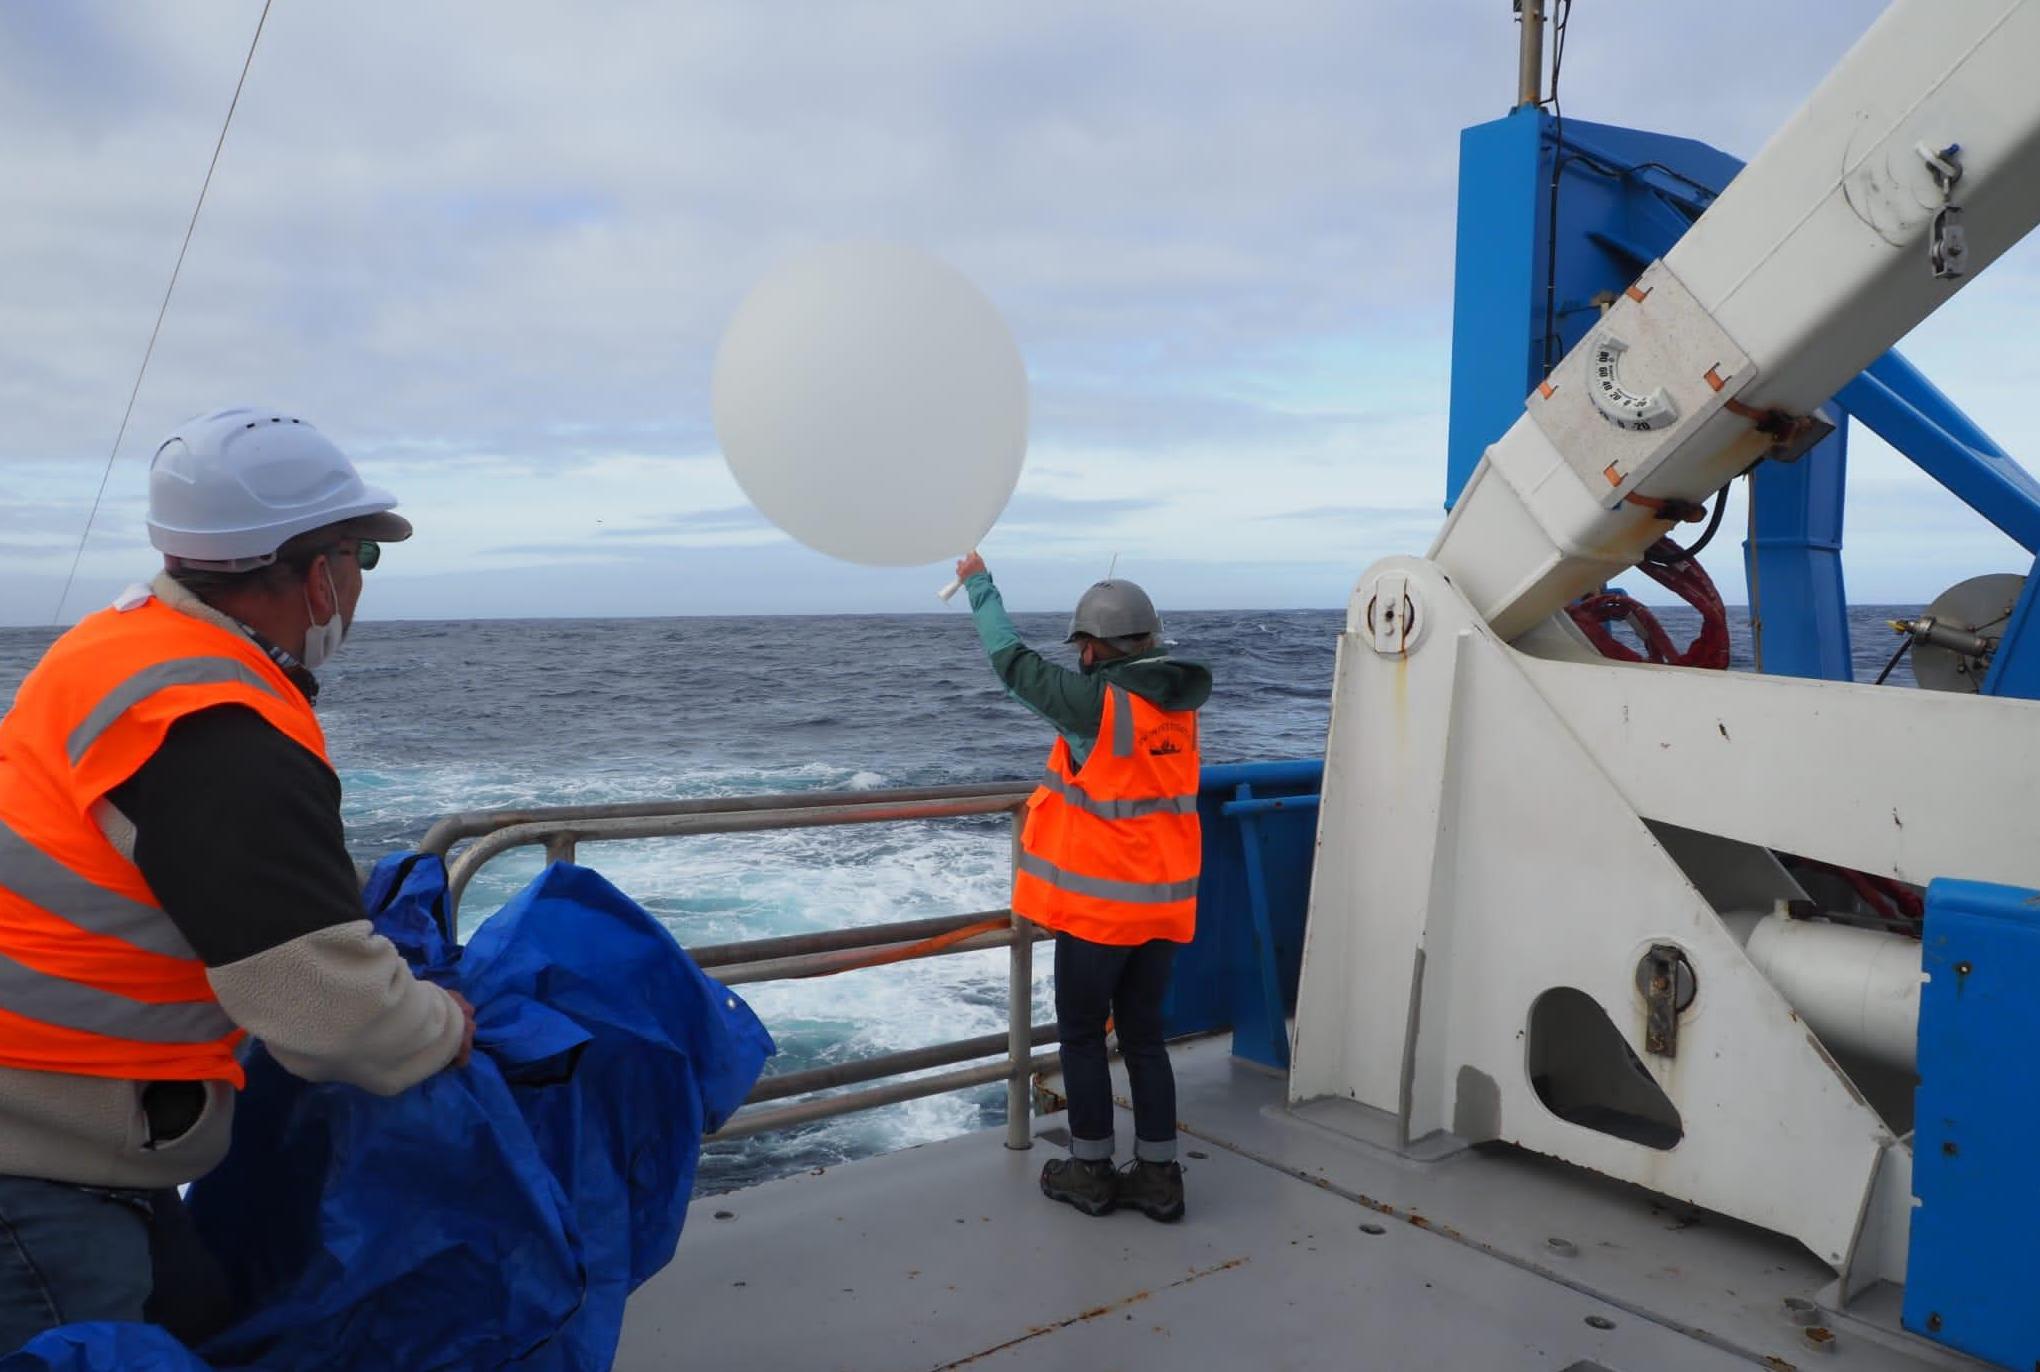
x: 490, y: 249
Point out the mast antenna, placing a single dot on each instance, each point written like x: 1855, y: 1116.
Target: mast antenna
x: 1530, y: 61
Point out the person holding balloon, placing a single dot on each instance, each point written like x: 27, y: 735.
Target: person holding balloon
x: 1109, y: 860
x: 871, y: 402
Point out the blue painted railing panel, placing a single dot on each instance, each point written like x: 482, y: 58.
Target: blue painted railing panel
x: 1969, y: 1272
x: 1241, y: 970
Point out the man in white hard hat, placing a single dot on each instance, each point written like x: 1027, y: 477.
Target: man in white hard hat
x: 1109, y: 859
x: 174, y: 879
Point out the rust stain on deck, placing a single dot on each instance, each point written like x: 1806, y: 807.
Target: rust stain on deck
x: 1093, y: 1313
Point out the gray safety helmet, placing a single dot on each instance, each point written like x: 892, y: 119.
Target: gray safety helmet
x: 1115, y: 610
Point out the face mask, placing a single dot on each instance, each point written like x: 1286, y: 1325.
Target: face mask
x: 323, y: 640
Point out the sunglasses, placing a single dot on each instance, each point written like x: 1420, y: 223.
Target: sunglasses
x: 366, y: 551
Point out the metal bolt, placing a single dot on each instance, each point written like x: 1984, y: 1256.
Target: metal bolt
x: 1820, y: 1337
x: 1934, y: 1322
x: 1963, y: 969
x: 1949, y: 1149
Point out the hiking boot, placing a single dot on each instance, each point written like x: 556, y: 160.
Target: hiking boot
x: 1153, y: 1188
x: 1088, y: 1185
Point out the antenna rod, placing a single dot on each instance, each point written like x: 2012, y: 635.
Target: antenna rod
x: 1530, y: 65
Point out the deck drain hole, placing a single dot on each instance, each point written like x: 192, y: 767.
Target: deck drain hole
x: 725, y: 1214
x: 1372, y: 1229
x: 1599, y: 1322
x: 1197, y: 1155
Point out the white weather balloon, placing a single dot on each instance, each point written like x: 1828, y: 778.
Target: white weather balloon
x: 872, y: 404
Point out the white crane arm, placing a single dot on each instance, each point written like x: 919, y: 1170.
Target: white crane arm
x: 1911, y: 168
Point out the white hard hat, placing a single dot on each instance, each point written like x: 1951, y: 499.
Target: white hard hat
x: 227, y: 489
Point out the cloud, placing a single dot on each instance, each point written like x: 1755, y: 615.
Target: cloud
x: 1034, y: 510
x: 1350, y: 512
x: 491, y: 248
x: 693, y: 521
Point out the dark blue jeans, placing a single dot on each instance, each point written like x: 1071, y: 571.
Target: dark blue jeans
x: 75, y: 1253
x: 1094, y: 981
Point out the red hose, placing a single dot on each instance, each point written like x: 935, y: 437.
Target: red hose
x: 1686, y: 579
x: 1884, y: 897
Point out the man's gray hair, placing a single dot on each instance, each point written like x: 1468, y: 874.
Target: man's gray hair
x: 292, y: 560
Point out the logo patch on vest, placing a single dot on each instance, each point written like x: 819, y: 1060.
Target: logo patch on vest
x: 1166, y: 740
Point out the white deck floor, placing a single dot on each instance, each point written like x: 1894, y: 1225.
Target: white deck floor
x: 1306, y: 1246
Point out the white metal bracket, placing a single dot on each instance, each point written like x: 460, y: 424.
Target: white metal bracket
x: 1655, y: 370
x: 1478, y: 865
x: 1393, y: 616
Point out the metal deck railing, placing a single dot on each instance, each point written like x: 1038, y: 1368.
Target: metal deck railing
x: 560, y: 830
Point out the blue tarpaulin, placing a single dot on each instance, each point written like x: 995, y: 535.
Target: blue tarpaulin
x: 494, y: 1214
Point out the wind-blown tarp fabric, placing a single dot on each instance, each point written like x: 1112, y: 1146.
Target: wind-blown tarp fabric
x: 495, y: 1214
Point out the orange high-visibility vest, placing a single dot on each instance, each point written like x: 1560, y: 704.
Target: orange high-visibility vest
x: 1111, y: 852
x: 94, y: 978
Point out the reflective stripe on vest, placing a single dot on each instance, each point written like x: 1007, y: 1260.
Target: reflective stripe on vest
x: 1119, y: 809
x: 1132, y: 892
x: 188, y: 671
x: 74, y: 1005
x: 44, y: 882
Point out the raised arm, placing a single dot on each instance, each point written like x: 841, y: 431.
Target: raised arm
x: 1071, y: 701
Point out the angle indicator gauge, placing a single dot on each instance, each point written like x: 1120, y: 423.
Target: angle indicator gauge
x: 1619, y: 405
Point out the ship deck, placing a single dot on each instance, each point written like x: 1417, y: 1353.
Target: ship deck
x: 1308, y: 1243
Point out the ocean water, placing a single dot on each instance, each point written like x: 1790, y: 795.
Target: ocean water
x: 428, y: 718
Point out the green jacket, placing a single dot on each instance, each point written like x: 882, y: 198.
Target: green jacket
x: 1074, y: 702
